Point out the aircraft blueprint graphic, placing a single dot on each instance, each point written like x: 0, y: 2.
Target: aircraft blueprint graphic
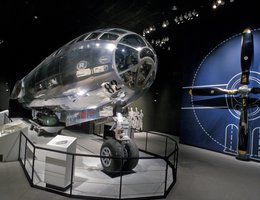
x: 220, y: 101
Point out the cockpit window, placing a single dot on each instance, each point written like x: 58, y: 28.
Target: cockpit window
x: 137, y: 74
x: 93, y: 36
x: 117, y: 31
x: 147, y: 53
x: 108, y: 36
x: 83, y: 37
x: 133, y: 40
x: 145, y: 74
x: 126, y: 57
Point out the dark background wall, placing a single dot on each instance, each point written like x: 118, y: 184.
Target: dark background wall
x: 4, y: 95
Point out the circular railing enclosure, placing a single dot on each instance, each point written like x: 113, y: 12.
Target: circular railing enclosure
x: 152, y: 178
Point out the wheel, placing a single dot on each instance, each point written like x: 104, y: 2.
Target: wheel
x: 111, y: 148
x: 132, y: 152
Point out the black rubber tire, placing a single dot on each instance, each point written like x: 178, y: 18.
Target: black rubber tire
x: 133, y: 152
x: 111, y: 148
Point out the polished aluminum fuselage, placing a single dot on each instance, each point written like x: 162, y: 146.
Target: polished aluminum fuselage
x: 93, y: 71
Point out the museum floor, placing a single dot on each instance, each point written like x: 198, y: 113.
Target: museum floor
x: 202, y: 175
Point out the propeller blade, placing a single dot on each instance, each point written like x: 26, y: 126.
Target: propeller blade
x: 255, y: 90
x: 243, y: 131
x: 211, y: 91
x: 247, y: 52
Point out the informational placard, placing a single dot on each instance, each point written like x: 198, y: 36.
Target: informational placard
x: 58, y: 166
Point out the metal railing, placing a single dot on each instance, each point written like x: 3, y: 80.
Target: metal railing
x: 82, y: 176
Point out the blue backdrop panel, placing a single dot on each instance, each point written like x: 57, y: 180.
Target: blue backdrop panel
x: 211, y: 122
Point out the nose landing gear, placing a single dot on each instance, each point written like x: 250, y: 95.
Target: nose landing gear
x: 121, y: 152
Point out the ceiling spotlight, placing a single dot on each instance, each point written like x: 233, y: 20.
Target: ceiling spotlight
x: 195, y: 13
x: 157, y: 42
x: 176, y: 20
x: 174, y: 8
x: 152, y: 28
x: 165, y: 23
x: 185, y: 16
x: 165, y: 39
x: 190, y: 15
x: 218, y: 3
x: 181, y: 18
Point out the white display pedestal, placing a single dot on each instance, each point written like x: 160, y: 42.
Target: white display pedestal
x: 10, y: 138
x: 4, y: 117
x: 58, y: 166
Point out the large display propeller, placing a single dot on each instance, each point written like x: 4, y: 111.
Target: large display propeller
x: 211, y: 91
x: 243, y: 131
x: 247, y: 52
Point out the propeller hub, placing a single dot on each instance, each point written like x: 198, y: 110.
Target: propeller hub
x: 244, y: 90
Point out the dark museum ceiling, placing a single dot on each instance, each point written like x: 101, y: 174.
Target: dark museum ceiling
x: 33, y: 29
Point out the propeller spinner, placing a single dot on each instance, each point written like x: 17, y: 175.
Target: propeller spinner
x: 247, y: 52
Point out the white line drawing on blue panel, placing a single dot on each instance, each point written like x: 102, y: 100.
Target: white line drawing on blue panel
x: 255, y: 144
x: 231, y: 139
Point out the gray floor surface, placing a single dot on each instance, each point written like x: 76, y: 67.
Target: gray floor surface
x: 202, y: 175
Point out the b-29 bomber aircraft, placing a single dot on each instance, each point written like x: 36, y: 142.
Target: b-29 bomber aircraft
x: 93, y: 76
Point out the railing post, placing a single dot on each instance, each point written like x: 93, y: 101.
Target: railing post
x: 166, y: 146
x: 176, y: 160
x: 166, y: 160
x: 166, y: 178
x: 25, y: 147
x: 146, y: 140
x: 19, y: 150
x: 33, y: 164
x: 121, y: 177
x: 72, y: 174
